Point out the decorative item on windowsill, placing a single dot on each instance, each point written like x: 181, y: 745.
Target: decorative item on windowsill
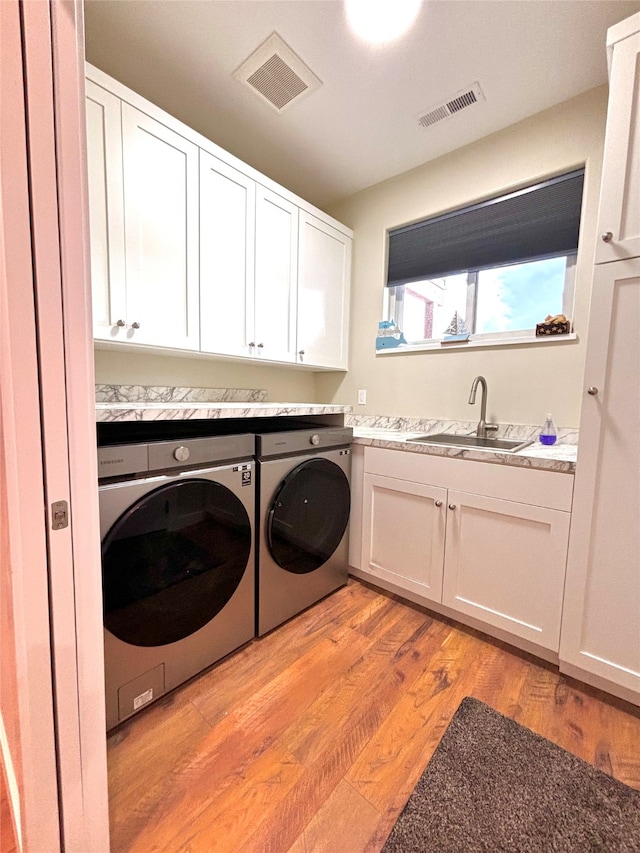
x: 456, y: 332
x: 557, y: 325
x: 389, y: 335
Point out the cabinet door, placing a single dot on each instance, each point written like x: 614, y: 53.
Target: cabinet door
x: 276, y: 276
x: 403, y: 527
x: 505, y: 564
x: 106, y: 213
x: 601, y: 618
x: 227, y: 235
x: 161, y: 219
x: 324, y: 274
x: 619, y: 212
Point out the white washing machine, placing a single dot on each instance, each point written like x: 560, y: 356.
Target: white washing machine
x: 303, y: 519
x: 178, y: 569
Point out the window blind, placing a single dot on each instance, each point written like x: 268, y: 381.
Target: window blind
x: 536, y: 222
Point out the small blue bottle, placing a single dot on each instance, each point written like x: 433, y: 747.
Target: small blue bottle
x: 548, y: 434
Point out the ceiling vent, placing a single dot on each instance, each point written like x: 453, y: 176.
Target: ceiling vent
x: 277, y: 75
x: 460, y: 101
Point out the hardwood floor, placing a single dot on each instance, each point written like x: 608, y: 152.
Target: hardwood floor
x: 312, y: 738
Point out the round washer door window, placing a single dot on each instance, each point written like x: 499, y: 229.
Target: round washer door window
x: 172, y: 561
x: 308, y: 516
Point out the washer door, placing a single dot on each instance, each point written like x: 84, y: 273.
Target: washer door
x: 173, y: 560
x: 308, y: 516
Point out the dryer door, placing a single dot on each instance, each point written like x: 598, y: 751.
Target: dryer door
x: 173, y: 560
x: 308, y: 516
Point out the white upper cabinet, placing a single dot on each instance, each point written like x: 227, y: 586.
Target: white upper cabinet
x: 106, y: 213
x: 276, y: 276
x: 324, y: 275
x: 619, y: 213
x: 161, y: 232
x: 191, y: 249
x: 227, y: 245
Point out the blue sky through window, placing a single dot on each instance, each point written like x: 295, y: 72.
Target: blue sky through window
x: 519, y: 296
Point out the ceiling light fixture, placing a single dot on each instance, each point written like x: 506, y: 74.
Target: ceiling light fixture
x: 378, y: 21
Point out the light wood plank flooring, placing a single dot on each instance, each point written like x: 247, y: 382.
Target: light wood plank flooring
x: 312, y: 738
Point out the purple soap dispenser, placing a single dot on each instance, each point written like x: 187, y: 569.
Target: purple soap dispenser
x: 548, y: 434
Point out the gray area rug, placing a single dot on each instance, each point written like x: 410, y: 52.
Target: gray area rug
x: 494, y: 786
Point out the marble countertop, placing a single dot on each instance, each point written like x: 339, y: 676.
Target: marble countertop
x: 559, y: 457
x: 188, y: 410
x: 159, y: 402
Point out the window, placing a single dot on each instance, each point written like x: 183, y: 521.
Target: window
x: 488, y: 272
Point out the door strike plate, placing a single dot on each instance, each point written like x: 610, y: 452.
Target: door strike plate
x: 59, y: 515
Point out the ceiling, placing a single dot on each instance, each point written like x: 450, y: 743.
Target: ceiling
x: 361, y: 126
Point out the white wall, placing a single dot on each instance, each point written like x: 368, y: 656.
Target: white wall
x: 282, y: 384
x: 524, y: 382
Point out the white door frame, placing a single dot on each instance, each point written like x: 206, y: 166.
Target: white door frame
x: 55, y: 740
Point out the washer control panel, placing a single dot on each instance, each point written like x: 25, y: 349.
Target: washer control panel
x: 119, y: 460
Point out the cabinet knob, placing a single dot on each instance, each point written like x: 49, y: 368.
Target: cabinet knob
x: 301, y: 353
x: 607, y: 237
x: 121, y: 323
x: 135, y: 325
x: 438, y: 503
x: 592, y: 390
x: 181, y: 453
x: 260, y: 346
x: 252, y: 343
x: 452, y: 506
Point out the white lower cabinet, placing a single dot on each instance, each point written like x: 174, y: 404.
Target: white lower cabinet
x: 497, y: 557
x: 505, y: 565
x: 403, y: 527
x: 601, y: 619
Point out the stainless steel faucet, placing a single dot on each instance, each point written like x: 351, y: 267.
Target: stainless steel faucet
x: 483, y: 426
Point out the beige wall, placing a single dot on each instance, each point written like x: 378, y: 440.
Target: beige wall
x: 524, y: 382
x: 282, y: 384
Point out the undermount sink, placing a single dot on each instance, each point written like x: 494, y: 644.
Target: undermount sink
x: 472, y: 441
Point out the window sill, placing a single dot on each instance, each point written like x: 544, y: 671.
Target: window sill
x: 503, y: 342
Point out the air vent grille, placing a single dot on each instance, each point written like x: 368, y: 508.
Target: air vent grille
x: 277, y: 82
x: 276, y: 74
x: 460, y: 101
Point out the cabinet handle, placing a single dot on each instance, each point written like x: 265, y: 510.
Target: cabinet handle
x: 452, y: 506
x: 135, y: 325
x: 121, y: 323
x: 607, y: 237
x: 592, y: 390
x: 438, y: 503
